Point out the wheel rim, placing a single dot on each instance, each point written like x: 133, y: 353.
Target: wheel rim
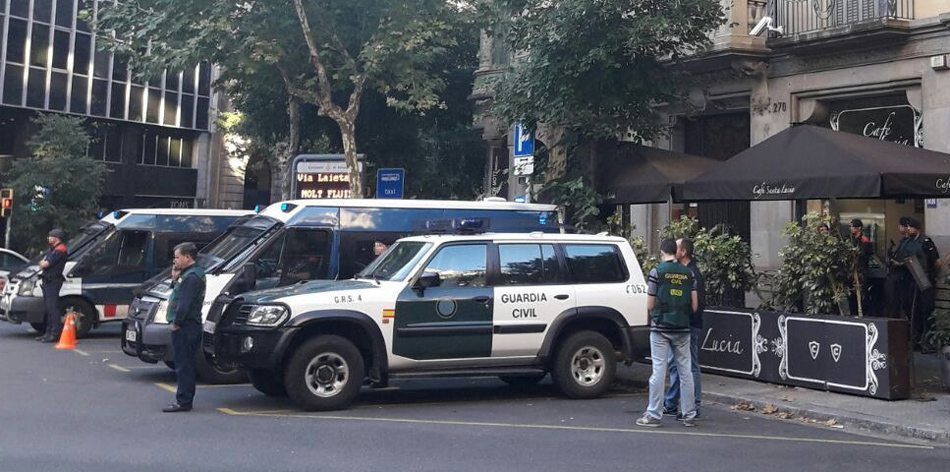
x: 588, y: 366
x: 327, y: 374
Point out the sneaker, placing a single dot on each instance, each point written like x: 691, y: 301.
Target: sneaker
x: 648, y: 421
x: 669, y: 412
x: 689, y: 423
x: 679, y: 417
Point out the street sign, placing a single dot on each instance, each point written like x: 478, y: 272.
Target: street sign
x: 390, y: 183
x: 524, y: 165
x: 524, y: 141
x: 318, y: 176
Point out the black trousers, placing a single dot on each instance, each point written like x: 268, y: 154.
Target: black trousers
x: 54, y: 314
x: 917, y: 306
x: 185, y: 342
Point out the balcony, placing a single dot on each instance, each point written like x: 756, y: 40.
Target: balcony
x: 843, y: 23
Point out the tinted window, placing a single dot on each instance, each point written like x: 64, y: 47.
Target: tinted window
x: 590, y: 263
x: 306, y: 256
x: 460, y: 266
x: 193, y: 224
x: 119, y: 252
x: 527, y: 264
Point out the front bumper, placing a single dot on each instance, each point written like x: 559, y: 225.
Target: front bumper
x: 19, y: 309
x: 151, y: 342
x: 227, y: 340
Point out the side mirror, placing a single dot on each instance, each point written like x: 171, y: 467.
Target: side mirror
x: 426, y: 280
x: 249, y: 275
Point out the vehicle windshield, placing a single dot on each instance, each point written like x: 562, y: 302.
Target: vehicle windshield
x: 396, y: 262
x: 234, y: 241
x: 80, y: 242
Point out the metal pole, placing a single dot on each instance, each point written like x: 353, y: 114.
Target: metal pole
x: 6, y: 236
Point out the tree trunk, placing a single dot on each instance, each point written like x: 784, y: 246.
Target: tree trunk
x: 348, y: 133
x: 293, y: 147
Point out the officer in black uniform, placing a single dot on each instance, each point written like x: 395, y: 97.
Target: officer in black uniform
x: 919, y: 303
x: 864, y: 250
x: 53, y: 264
x: 895, y: 272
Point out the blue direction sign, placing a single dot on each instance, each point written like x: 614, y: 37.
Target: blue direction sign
x: 524, y: 141
x: 390, y: 182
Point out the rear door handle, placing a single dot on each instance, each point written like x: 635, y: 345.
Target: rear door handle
x: 481, y: 299
x: 562, y: 297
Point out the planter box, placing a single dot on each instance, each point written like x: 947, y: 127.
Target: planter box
x: 861, y: 356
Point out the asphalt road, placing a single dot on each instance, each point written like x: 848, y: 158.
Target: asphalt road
x: 96, y: 409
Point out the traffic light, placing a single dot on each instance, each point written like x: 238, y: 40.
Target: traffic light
x: 6, y: 202
x: 39, y: 196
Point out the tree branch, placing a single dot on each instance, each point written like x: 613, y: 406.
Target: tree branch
x: 323, y: 82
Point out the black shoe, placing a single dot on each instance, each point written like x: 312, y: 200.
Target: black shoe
x: 40, y: 339
x: 669, y: 412
x: 175, y: 408
x: 49, y: 340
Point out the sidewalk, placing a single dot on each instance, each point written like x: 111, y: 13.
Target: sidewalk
x: 914, y: 419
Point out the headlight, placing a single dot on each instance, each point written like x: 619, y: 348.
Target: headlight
x: 267, y: 315
x: 26, y: 287
x: 160, y: 315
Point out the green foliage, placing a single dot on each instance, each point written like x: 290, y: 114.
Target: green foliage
x: 58, y: 162
x: 816, y: 269
x: 939, y: 333
x: 595, y: 70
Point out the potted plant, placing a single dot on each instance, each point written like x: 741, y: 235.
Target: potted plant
x: 939, y: 335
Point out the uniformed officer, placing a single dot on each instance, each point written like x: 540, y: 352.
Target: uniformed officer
x: 895, y: 272
x: 53, y: 264
x: 864, y: 249
x: 918, y: 304
x: 671, y: 301
x: 184, y: 310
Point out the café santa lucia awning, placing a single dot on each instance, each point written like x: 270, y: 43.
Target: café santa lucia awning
x: 630, y: 173
x: 809, y: 162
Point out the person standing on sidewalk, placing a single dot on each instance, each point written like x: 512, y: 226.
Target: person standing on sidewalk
x: 684, y: 254
x: 188, y: 296
x: 53, y: 264
x: 671, y: 301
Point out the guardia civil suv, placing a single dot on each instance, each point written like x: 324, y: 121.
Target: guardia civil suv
x: 518, y: 306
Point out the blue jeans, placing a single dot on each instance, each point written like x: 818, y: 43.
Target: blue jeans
x: 663, y: 346
x: 671, y: 401
x: 185, y: 343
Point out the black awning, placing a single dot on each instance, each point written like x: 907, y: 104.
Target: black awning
x: 630, y: 173
x: 808, y: 162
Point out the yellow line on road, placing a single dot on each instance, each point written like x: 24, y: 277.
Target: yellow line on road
x: 232, y: 412
x: 103, y: 352
x: 165, y: 386
x: 171, y: 388
x: 81, y: 352
x: 119, y: 368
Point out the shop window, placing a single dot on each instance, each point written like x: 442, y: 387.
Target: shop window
x: 16, y: 35
x: 65, y: 13
x: 60, y: 49
x: 13, y: 85
x: 36, y: 88
x: 57, y: 91
x: 77, y: 101
x: 39, y: 45
x: 81, y: 54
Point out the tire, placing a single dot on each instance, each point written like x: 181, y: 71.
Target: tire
x: 213, y: 373
x: 522, y: 380
x: 585, y: 365
x: 325, y: 373
x: 39, y: 327
x: 86, y: 315
x: 268, y: 382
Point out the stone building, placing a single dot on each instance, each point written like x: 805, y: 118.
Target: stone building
x: 872, y: 67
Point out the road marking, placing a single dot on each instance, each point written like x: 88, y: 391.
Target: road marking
x: 171, y: 388
x: 232, y: 412
x: 102, y: 352
x: 81, y: 352
x: 119, y: 368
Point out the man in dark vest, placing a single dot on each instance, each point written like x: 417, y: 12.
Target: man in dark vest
x: 53, y: 264
x: 895, y: 272
x: 184, y: 312
x: 916, y: 303
x: 684, y: 255
x: 863, y: 251
x: 671, y: 301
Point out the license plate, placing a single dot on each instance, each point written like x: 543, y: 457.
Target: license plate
x: 130, y: 335
x: 209, y: 327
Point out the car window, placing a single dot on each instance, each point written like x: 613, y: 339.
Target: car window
x: 595, y: 263
x: 306, y: 256
x: 528, y: 264
x: 460, y: 265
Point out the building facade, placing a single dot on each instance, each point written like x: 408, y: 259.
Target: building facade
x: 156, y: 137
x: 871, y: 67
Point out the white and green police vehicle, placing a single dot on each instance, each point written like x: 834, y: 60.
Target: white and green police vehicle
x: 108, y: 259
x: 293, y: 241
x: 518, y: 306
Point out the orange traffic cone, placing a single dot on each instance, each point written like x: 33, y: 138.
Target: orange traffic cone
x: 67, y: 340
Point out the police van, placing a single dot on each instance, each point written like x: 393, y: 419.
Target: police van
x: 518, y: 306
x: 294, y: 241
x: 108, y: 259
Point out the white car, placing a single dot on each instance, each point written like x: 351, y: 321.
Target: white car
x: 9, y: 260
x: 518, y: 306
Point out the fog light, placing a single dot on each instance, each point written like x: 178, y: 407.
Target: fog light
x: 248, y: 344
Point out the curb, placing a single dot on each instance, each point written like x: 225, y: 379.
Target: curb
x: 852, y: 420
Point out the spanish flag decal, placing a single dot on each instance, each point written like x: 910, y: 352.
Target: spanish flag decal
x: 388, y: 315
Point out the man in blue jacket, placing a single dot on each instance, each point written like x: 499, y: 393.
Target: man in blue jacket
x: 184, y: 311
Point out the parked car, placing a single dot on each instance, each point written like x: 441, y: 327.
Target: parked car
x: 9, y: 261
